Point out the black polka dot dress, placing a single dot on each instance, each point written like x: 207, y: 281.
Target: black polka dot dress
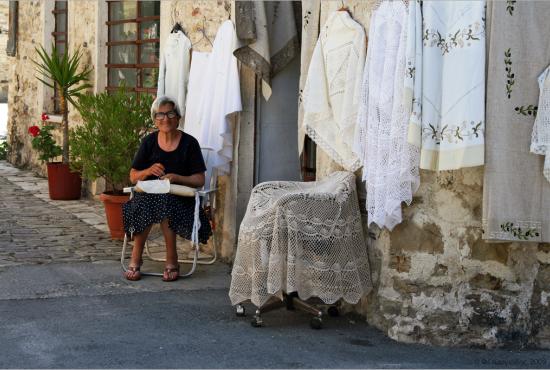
x: 146, y: 209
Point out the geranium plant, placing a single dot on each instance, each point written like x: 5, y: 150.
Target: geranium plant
x: 43, y: 141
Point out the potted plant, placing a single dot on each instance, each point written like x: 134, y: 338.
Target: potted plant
x: 44, y: 143
x: 105, y: 145
x: 61, y: 72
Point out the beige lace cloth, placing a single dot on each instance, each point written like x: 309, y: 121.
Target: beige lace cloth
x: 303, y: 237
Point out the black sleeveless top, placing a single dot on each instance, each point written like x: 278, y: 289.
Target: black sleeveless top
x: 185, y: 160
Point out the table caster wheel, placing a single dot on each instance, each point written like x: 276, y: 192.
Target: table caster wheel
x: 257, y: 322
x: 240, y: 311
x: 316, y: 323
x: 333, y: 311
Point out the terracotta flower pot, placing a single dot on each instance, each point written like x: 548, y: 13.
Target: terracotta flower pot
x: 62, y: 183
x: 113, y: 212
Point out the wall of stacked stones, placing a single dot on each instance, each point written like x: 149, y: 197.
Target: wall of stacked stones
x: 436, y: 280
x: 4, y: 70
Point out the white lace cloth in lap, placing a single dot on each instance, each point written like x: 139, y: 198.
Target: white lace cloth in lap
x: 303, y: 237
x: 540, y: 140
x: 332, y: 89
x: 390, y: 162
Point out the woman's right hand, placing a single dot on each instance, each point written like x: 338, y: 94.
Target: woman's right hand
x: 156, y: 169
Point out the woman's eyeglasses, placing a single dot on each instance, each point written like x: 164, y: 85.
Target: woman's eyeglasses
x: 160, y: 115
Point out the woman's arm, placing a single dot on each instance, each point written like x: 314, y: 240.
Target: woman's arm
x: 195, y: 181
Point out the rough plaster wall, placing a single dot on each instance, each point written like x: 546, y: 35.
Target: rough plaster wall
x: 193, y: 15
x: 4, y: 64
x: 436, y: 280
x: 23, y: 103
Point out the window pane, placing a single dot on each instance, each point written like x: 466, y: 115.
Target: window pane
x: 123, y: 10
x: 123, y: 32
x: 122, y: 54
x: 61, y: 22
x: 150, y: 77
x: 118, y: 76
x: 149, y: 8
x: 150, y: 52
x: 150, y: 30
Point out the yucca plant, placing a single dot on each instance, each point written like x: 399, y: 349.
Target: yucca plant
x: 61, y: 72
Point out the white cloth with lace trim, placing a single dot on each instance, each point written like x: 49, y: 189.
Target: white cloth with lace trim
x: 451, y: 135
x: 332, y: 89
x: 303, y: 237
x: 540, y: 140
x: 390, y: 163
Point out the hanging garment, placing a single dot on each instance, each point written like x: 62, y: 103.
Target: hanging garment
x: 333, y: 86
x: 174, y: 69
x: 390, y: 163
x: 516, y: 196
x: 453, y: 85
x: 540, y: 140
x: 269, y: 38
x: 214, y: 95
x: 311, y: 12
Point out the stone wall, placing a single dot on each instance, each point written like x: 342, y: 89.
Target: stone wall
x: 4, y: 67
x: 436, y: 280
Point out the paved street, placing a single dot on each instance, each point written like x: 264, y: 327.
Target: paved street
x: 64, y: 304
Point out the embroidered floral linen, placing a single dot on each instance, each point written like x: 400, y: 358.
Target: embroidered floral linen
x: 516, y: 196
x: 390, y: 163
x: 453, y: 86
x: 332, y: 90
x: 540, y: 142
x: 303, y: 237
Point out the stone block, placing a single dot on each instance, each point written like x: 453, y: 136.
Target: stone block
x: 486, y: 281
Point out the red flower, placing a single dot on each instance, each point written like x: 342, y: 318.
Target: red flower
x: 44, y: 117
x: 34, y: 131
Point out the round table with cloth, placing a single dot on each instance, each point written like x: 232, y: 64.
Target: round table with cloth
x: 303, y: 237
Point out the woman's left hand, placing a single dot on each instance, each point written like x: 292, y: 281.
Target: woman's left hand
x: 172, y: 177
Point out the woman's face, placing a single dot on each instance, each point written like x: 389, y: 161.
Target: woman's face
x: 166, y: 118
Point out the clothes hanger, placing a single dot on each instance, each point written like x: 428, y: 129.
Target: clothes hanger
x: 177, y: 27
x: 344, y: 8
x: 204, y: 35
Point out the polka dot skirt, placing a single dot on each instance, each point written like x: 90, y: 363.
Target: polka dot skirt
x: 146, y: 209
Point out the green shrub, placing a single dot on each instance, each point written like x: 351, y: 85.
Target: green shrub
x: 106, y: 143
x: 3, y: 150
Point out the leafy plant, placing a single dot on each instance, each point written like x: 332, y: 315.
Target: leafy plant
x: 4, y: 147
x: 43, y: 141
x: 61, y: 72
x: 106, y: 143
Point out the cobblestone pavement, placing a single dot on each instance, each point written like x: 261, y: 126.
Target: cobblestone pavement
x: 36, y: 230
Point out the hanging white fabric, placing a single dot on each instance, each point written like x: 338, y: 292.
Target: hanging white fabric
x: 174, y: 69
x: 540, y: 141
x: 390, y: 163
x: 332, y: 89
x: 214, y: 95
x: 451, y: 135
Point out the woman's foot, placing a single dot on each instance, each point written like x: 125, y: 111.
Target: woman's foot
x: 171, y: 273
x: 133, y: 272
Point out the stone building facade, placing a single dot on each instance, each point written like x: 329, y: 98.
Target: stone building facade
x: 4, y: 67
x: 436, y: 280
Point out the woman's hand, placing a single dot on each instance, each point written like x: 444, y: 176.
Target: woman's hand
x: 172, y: 177
x: 156, y: 169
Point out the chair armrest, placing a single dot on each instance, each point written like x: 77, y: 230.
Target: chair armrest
x: 128, y: 189
x: 206, y: 192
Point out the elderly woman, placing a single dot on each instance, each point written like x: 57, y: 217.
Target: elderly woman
x: 167, y: 153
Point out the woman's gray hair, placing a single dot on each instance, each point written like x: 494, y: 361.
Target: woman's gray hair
x: 162, y: 100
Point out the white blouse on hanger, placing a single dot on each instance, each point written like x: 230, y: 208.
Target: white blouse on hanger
x: 332, y: 89
x: 540, y: 141
x: 174, y: 68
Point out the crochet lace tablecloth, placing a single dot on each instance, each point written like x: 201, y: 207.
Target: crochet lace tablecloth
x: 305, y: 238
